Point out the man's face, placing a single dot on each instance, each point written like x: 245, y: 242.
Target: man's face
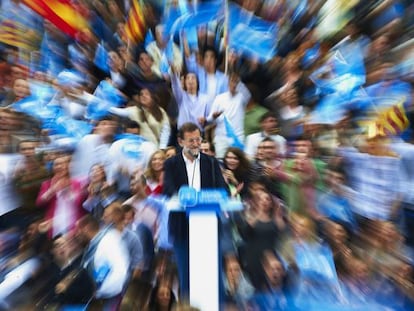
x: 21, y: 88
x: 115, y: 61
x: 205, y: 148
x: 108, y: 215
x: 209, y: 61
x: 233, y: 270
x: 27, y: 149
x: 129, y: 218
x: 303, y: 148
x: 233, y: 82
x: 269, y: 150
x: 190, y: 81
x: 274, y: 270
x: 191, y: 142
x: 137, y: 182
x: 269, y: 125
x: 106, y: 128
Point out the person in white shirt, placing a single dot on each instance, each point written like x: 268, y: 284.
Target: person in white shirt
x: 193, y: 106
x: 114, y: 215
x: 107, y: 260
x: 268, y: 123
x: 94, y: 149
x: 211, y: 81
x: 230, y: 105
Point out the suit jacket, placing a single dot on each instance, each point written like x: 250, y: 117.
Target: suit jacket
x: 175, y: 176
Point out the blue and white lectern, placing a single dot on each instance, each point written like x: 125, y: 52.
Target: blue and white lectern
x: 203, y: 209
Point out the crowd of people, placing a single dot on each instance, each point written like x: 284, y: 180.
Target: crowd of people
x: 91, y: 154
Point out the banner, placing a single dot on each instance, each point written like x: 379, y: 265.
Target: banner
x: 135, y: 27
x: 62, y: 13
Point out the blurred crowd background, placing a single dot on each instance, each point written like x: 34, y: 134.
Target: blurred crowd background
x: 307, y: 104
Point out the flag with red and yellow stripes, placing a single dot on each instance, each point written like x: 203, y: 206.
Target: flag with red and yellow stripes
x: 393, y: 120
x: 135, y: 27
x: 64, y: 14
x: 15, y: 34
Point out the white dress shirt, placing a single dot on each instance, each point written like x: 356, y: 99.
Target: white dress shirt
x: 253, y: 141
x: 193, y: 172
x: 112, y: 253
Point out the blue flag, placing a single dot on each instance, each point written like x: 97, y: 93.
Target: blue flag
x: 253, y: 36
x: 235, y: 141
x: 101, y: 58
x: 69, y: 127
x: 149, y: 37
x: 311, y: 55
x: 343, y: 72
x: 330, y: 110
x: 315, y: 260
x: 46, y: 114
x: 204, y: 14
x: 105, y: 97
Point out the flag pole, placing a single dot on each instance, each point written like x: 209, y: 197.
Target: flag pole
x: 226, y: 67
x: 226, y: 36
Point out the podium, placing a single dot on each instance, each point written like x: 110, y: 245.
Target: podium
x: 203, y: 209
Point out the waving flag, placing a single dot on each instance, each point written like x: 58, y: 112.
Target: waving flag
x: 19, y: 26
x: 253, y: 43
x: 167, y: 57
x: 104, y: 97
x: 62, y: 13
x: 46, y: 114
x: 135, y: 27
x: 73, y: 128
x: 173, y: 11
x: 14, y: 34
x: 204, y: 14
x: 101, y: 58
x: 149, y: 38
x: 393, y: 120
x: 311, y: 55
x: 253, y: 36
x: 315, y: 260
x: 330, y: 110
x: 235, y: 141
x: 343, y: 71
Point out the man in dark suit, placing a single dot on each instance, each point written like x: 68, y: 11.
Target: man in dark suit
x: 191, y: 168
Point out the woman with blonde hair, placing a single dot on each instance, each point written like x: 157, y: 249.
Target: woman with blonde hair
x: 155, y: 173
